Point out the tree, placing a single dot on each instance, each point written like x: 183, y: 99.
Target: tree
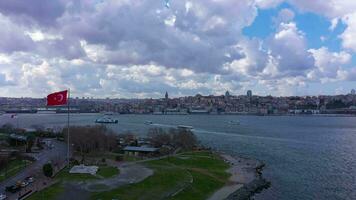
x: 86, y: 139
x: 30, y: 141
x: 184, y: 139
x: 7, y: 128
x: 48, y: 170
x: 159, y: 137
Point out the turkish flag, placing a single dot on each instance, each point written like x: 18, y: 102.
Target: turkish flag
x: 57, y: 99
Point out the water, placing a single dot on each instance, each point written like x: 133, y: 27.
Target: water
x: 306, y: 157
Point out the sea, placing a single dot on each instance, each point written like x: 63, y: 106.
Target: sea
x: 306, y: 157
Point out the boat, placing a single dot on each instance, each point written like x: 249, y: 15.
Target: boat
x: 233, y: 122
x: 148, y: 122
x: 185, y: 127
x: 106, y: 120
x: 46, y: 112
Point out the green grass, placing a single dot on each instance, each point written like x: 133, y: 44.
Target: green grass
x: 13, y: 168
x: 108, y: 172
x: 162, y: 183
x: 172, y: 175
x: 202, y: 188
x: 3, y: 136
x: 48, y: 193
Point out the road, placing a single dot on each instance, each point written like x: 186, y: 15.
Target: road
x: 58, y: 151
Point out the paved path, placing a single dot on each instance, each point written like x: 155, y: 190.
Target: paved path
x: 43, y: 157
x: 242, y: 171
x: 128, y: 174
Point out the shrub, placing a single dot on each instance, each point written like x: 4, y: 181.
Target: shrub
x: 48, y: 170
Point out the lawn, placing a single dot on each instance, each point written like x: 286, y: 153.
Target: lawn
x: 3, y: 136
x: 13, y: 168
x: 187, y: 176
x: 48, y: 193
x: 107, y: 172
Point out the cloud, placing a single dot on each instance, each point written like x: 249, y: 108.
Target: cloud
x: 329, y: 65
x: 198, y: 38
x: 140, y: 48
x: 348, y: 36
x: 42, y: 12
x: 285, y: 15
x: 289, y: 49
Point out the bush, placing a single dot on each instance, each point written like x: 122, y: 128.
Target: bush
x: 119, y: 158
x: 48, y: 170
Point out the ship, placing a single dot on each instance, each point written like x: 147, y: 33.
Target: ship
x: 148, y: 122
x: 234, y: 122
x: 185, y: 127
x: 106, y: 120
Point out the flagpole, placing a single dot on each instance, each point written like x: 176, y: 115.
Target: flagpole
x: 68, y: 147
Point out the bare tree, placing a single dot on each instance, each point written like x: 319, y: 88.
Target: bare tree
x: 159, y: 137
x: 86, y: 139
x: 184, y: 139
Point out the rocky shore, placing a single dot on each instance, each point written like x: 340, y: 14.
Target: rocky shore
x: 246, y: 179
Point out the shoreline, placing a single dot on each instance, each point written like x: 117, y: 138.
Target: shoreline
x: 205, y: 114
x: 245, y: 181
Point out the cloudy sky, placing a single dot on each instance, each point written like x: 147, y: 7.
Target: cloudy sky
x: 140, y: 48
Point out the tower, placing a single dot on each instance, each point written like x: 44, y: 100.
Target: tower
x: 249, y: 93
x: 227, y: 94
x: 166, y: 96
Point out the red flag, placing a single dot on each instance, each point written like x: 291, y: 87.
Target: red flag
x: 57, y: 99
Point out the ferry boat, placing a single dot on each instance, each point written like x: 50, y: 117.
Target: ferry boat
x: 46, y: 111
x: 148, y: 122
x: 185, y: 127
x: 107, y: 120
x: 233, y: 122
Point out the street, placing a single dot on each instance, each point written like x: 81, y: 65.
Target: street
x: 59, y: 151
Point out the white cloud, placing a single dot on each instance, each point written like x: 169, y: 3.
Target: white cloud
x: 288, y: 46
x: 348, y: 36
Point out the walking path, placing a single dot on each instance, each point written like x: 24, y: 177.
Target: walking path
x: 128, y: 174
x: 243, y: 171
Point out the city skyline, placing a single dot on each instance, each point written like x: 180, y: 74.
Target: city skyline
x: 272, y: 47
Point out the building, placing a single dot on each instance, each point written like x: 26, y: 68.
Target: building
x: 353, y: 92
x: 227, y: 94
x: 249, y: 93
x: 166, y: 96
x: 140, y: 151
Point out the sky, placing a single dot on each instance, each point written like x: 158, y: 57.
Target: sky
x: 142, y: 48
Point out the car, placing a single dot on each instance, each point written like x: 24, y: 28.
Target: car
x: 13, y: 188
x: 29, y: 179
x: 3, y: 196
x: 24, y: 184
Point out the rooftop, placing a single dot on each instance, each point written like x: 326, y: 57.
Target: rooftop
x: 140, y: 149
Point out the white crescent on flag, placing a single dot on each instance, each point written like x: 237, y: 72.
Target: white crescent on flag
x: 61, y: 97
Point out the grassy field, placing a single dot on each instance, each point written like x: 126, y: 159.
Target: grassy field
x: 48, y: 193
x: 107, y: 172
x: 187, y: 176
x: 13, y: 168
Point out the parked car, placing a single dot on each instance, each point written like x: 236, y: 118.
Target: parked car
x: 13, y: 188
x: 29, y: 179
x: 3, y: 196
x: 24, y: 184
